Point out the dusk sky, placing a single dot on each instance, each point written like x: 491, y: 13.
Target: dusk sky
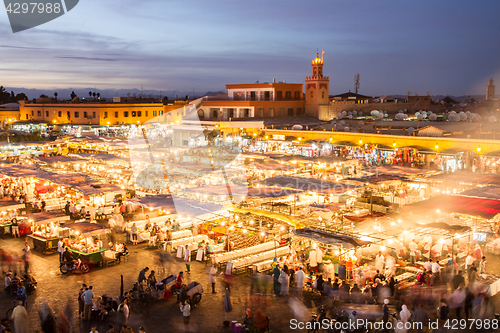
x: 445, y: 47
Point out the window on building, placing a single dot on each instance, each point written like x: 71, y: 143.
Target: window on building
x: 230, y: 113
x: 214, y: 113
x: 288, y: 95
x: 271, y: 112
x: 297, y: 95
x: 261, y: 112
x: 84, y: 114
x: 125, y: 114
x: 322, y: 94
x: 146, y: 113
x: 105, y: 115
x: 299, y: 111
x: 282, y: 112
x: 267, y: 95
x: 252, y: 95
x: 178, y: 114
x: 246, y: 113
x: 77, y: 114
x: 201, y: 114
x: 290, y: 111
x: 68, y: 114
x: 116, y: 114
x: 134, y: 114
x: 312, y: 94
x: 32, y: 112
x: 59, y: 114
x: 139, y: 113
x: 46, y: 113
x: 161, y: 112
x: 39, y: 113
x: 27, y: 116
x: 93, y: 114
x: 154, y: 113
x: 279, y: 95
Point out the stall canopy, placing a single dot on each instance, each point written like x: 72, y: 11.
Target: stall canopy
x: 485, y: 208
x: 47, y: 217
x: 10, y: 204
x: 377, y: 179
x: 308, y: 184
x: 57, y: 159
x: 329, y: 238
x: 88, y: 229
x: 161, y: 201
x: 398, y: 170
x: 262, y: 192
x: 479, y: 179
x: 274, y: 166
x: 94, y: 189
x: 488, y: 192
x: 304, y: 159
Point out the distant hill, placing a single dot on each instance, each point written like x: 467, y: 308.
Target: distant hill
x: 212, y: 93
x: 456, y: 98
x: 64, y: 93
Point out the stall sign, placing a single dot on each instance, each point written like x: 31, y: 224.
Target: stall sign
x: 278, y: 137
x: 479, y: 236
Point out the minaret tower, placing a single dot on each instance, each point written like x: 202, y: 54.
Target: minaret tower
x: 317, y: 90
x: 490, y: 90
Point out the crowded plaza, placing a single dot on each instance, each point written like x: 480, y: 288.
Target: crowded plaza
x: 244, y: 228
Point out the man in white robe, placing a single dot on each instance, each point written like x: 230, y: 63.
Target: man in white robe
x: 20, y: 317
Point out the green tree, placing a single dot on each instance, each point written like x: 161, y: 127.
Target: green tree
x: 21, y: 97
x: 43, y: 96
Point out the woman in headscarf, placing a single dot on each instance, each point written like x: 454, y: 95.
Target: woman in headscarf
x: 405, y: 316
x: 284, y: 279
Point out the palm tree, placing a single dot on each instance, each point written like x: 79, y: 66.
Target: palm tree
x: 93, y: 94
x: 90, y: 94
x: 55, y: 95
x: 98, y: 95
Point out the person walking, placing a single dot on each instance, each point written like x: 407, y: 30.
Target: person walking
x: 187, y: 259
x: 186, y: 313
x: 482, y: 265
x: 133, y: 231
x: 88, y: 298
x: 276, y: 276
x: 60, y: 249
x: 20, y: 318
x: 80, y: 300
x: 211, y: 277
x: 26, y: 256
x: 300, y: 279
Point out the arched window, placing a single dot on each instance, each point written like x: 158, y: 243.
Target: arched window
x: 312, y: 94
x: 322, y: 94
x: 201, y: 114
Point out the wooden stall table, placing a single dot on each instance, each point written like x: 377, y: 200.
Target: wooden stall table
x: 42, y: 244
x: 5, y: 228
x: 45, y: 239
x: 79, y: 241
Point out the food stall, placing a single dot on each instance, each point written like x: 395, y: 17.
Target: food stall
x: 85, y: 241
x: 45, y: 229
x: 6, y: 206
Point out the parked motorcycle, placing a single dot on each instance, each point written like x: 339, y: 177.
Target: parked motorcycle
x: 66, y: 267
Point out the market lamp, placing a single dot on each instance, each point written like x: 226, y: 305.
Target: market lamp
x: 360, y: 142
x: 478, y: 149
x: 436, y: 146
x: 394, y: 144
x: 314, y: 245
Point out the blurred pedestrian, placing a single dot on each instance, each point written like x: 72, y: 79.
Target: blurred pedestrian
x: 20, y: 318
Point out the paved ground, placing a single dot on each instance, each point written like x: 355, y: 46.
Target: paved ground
x: 161, y: 316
